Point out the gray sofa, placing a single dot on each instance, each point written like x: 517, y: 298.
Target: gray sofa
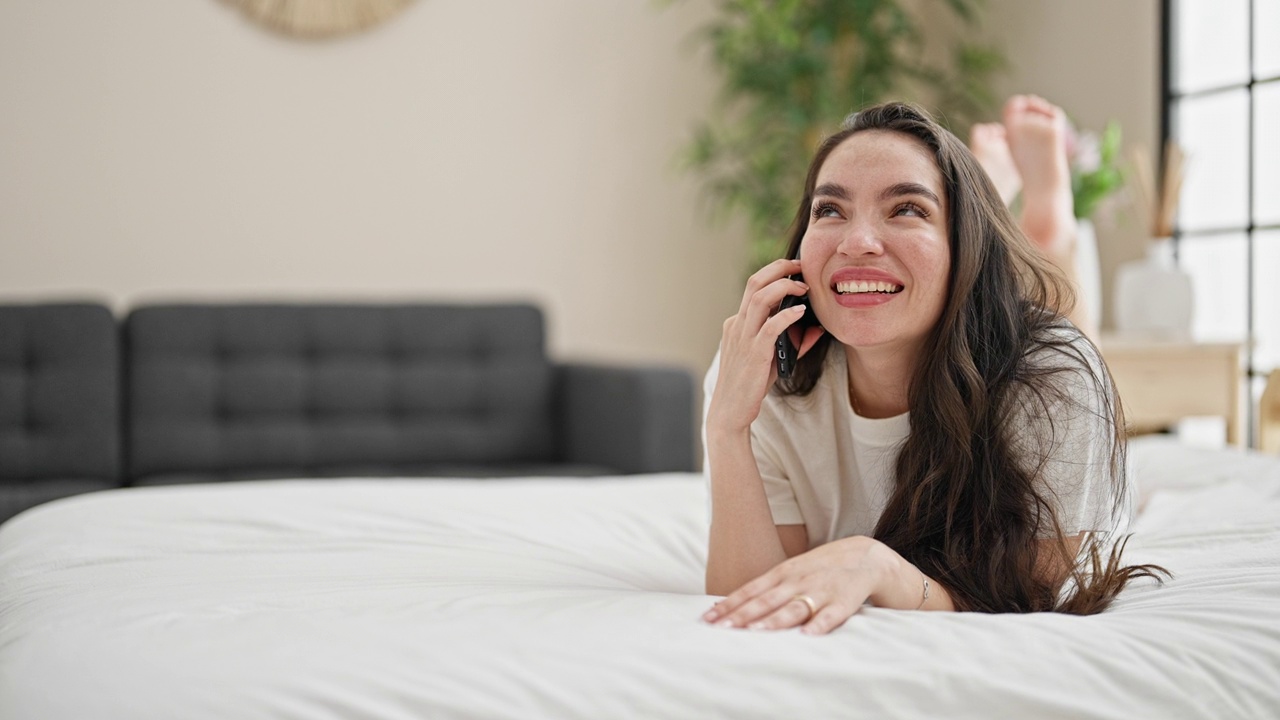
x: 59, y: 403
x: 204, y: 393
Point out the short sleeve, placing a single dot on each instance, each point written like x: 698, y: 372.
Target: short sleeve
x: 1064, y: 432
x: 778, y: 490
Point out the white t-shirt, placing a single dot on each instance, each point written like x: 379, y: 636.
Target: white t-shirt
x: 832, y: 470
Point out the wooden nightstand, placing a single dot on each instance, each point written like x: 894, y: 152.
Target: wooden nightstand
x: 1163, y: 381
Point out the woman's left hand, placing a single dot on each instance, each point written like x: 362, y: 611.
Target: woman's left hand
x: 837, y: 578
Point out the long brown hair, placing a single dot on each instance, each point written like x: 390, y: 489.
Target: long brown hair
x: 967, y: 508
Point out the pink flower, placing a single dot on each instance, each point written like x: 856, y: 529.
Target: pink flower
x: 1087, y: 155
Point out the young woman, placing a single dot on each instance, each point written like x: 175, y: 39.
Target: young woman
x: 948, y: 441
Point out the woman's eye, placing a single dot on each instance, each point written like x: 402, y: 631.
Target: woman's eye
x: 911, y: 209
x: 822, y: 210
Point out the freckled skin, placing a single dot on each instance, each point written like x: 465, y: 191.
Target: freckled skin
x: 902, y: 234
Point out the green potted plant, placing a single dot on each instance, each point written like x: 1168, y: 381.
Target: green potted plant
x: 1095, y: 167
x: 794, y: 69
x: 1095, y: 176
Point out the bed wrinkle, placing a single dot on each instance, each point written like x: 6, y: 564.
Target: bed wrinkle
x: 1216, y: 542
x: 581, y: 601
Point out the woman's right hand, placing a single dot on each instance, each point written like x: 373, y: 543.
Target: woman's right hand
x: 747, y: 369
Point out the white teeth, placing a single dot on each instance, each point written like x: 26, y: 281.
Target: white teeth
x: 864, y: 286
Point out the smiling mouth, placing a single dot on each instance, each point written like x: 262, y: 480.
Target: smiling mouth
x: 857, y: 287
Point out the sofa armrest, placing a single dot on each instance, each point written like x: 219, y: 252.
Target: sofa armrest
x: 631, y: 419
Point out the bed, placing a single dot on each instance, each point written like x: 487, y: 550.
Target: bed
x: 579, y: 598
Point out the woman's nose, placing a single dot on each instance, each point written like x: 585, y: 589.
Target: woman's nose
x: 861, y: 239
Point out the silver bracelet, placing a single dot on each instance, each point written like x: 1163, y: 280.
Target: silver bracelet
x: 925, y: 598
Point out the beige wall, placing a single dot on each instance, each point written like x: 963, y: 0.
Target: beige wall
x: 167, y: 149
x: 1100, y: 60
x: 157, y: 149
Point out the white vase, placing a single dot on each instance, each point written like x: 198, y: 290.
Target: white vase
x: 1152, y: 296
x: 1088, y: 270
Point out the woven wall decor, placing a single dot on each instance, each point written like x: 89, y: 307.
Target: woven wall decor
x: 318, y: 18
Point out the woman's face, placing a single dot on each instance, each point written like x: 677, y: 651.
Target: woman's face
x: 875, y: 254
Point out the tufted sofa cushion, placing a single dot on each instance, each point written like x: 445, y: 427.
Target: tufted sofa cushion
x: 59, y: 403
x: 224, y: 391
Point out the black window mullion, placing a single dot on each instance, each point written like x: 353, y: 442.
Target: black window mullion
x: 1249, y: 237
x: 1169, y: 18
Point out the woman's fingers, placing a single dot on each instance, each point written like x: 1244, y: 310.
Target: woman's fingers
x: 827, y: 618
x: 776, y: 599
x: 783, y: 607
x: 761, y: 326
x: 764, y: 281
x: 763, y: 303
x: 753, y: 608
x: 761, y: 599
x: 793, y: 612
x: 778, y: 324
x: 766, y: 276
x: 776, y: 609
x: 735, y: 599
x: 746, y: 344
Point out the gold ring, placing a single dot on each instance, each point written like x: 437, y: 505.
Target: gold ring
x: 809, y: 603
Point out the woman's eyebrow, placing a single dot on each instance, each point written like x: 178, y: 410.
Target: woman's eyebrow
x: 909, y: 188
x: 831, y: 190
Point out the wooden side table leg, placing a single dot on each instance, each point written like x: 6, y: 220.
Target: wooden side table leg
x: 1236, y: 422
x: 1269, y: 415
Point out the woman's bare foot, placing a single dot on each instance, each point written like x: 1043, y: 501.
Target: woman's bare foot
x: 1036, y: 132
x: 989, y: 146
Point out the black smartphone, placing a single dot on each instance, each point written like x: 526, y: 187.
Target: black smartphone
x: 785, y: 351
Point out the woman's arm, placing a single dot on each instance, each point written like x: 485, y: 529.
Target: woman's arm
x: 837, y: 578
x: 744, y: 542
x: 906, y: 587
x: 742, y: 545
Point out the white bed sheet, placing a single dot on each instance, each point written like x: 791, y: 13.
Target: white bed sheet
x: 580, y: 599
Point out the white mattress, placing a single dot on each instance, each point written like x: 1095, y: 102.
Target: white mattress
x: 580, y: 599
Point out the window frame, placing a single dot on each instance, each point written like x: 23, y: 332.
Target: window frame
x: 1170, y: 97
